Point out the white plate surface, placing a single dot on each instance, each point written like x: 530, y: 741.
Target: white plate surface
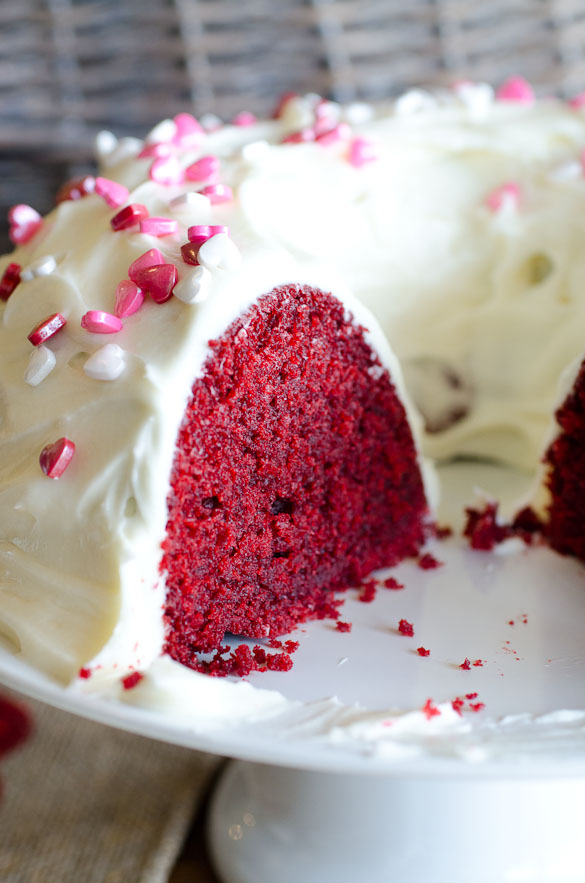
x: 522, y: 614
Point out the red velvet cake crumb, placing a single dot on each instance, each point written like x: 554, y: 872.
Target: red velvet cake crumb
x: 132, y: 680
x: 484, y: 531
x: 295, y: 476
x: 458, y: 704
x: 422, y: 652
x: 368, y: 591
x: 466, y: 665
x: 291, y: 646
x: 478, y: 663
x: 471, y: 695
x: 84, y: 673
x: 428, y: 562
x: 477, y: 706
x: 406, y: 628
x: 343, y: 626
x: 442, y: 532
x: 392, y: 583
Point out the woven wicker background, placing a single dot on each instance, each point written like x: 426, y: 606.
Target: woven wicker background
x: 71, y: 67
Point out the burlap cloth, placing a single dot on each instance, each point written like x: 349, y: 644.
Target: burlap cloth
x: 83, y: 803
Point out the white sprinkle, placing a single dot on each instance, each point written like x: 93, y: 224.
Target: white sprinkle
x: 163, y: 131
x: 477, y: 97
x: 106, y: 363
x: 126, y: 148
x: 209, y: 121
x: 41, y: 267
x: 255, y: 150
x: 104, y: 143
x: 41, y: 363
x: 568, y: 171
x: 359, y: 112
x: 219, y: 253
x: 191, y: 200
x: 414, y: 101
x: 193, y: 288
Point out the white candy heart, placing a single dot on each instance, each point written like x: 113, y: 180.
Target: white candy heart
x: 41, y: 363
x: 163, y: 131
x: 106, y: 363
x: 193, y: 288
x: 219, y: 253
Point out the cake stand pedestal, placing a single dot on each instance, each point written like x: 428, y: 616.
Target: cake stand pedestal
x: 270, y: 823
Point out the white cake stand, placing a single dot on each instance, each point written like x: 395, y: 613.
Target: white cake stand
x: 329, y: 792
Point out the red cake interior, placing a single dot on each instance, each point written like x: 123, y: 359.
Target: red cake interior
x: 566, y: 457
x: 295, y: 475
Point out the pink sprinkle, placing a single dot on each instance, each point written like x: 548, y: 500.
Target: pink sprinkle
x: 282, y: 102
x: 111, y: 192
x: 159, y: 281
x: 406, y: 628
x: 301, y: 137
x: 55, y: 458
x: 204, y: 169
x: 422, y: 652
x: 465, y: 665
x: 128, y: 217
x: 189, y: 253
x: 47, y: 328
x: 430, y: 710
x: 361, y: 151
x: 24, y: 223
x: 517, y: 90
x: 159, y: 148
x: 159, y: 226
x: 75, y: 189
x: 129, y: 299
x: 189, y: 130
x: 244, y: 118
x: 202, y: 232
x: 507, y: 194
x: 340, y: 132
x: 149, y: 259
x: 10, y: 279
x: 100, y: 322
x: 217, y: 193
x: 132, y: 680
x: 166, y: 170
x: 578, y: 101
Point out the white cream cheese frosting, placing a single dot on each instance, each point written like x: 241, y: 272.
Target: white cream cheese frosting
x: 482, y: 308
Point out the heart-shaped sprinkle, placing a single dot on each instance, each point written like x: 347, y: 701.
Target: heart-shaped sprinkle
x: 56, y: 457
x: 41, y: 267
x: 159, y: 226
x: 190, y: 252
x: 201, y: 232
x: 517, y: 90
x: 361, y: 151
x: 504, y: 198
x: 219, y: 253
x: 129, y: 299
x: 166, y: 170
x: 163, y: 131
x: 159, y: 148
x: 41, y: 363
x: 75, y: 189
x: 10, y: 279
x: 205, y: 169
x: 217, y: 193
x: 158, y: 281
x: 100, y: 322
x: 189, y: 132
x: 128, y: 217
x: 150, y: 258
x: 105, y: 364
x: 47, y: 329
x: 111, y: 192
x: 24, y: 223
x: 193, y: 288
